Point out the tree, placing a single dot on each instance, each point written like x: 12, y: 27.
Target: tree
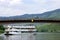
x: 2, y: 29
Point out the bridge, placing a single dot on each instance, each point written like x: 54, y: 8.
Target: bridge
x: 29, y: 21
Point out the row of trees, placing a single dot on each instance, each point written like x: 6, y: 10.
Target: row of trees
x: 49, y: 27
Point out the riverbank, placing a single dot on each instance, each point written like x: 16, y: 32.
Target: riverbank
x: 1, y: 32
x: 48, y: 27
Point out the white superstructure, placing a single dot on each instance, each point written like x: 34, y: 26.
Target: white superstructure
x: 20, y: 29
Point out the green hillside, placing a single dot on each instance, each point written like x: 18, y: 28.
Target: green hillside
x: 55, y: 14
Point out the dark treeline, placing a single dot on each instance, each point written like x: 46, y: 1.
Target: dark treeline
x: 2, y: 29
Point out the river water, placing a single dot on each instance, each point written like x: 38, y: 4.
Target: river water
x: 32, y: 36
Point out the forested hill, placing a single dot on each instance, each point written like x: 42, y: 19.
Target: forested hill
x: 55, y: 14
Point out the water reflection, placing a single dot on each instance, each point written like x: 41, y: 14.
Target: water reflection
x: 10, y: 37
x: 24, y: 36
x: 1, y: 38
x: 28, y: 36
x: 32, y: 36
x: 48, y: 36
x: 13, y: 37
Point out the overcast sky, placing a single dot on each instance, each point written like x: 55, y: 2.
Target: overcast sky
x: 20, y: 7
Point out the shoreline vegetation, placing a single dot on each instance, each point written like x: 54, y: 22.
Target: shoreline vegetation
x: 48, y: 27
x: 2, y: 29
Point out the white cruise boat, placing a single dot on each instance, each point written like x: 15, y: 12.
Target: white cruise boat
x: 19, y: 29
